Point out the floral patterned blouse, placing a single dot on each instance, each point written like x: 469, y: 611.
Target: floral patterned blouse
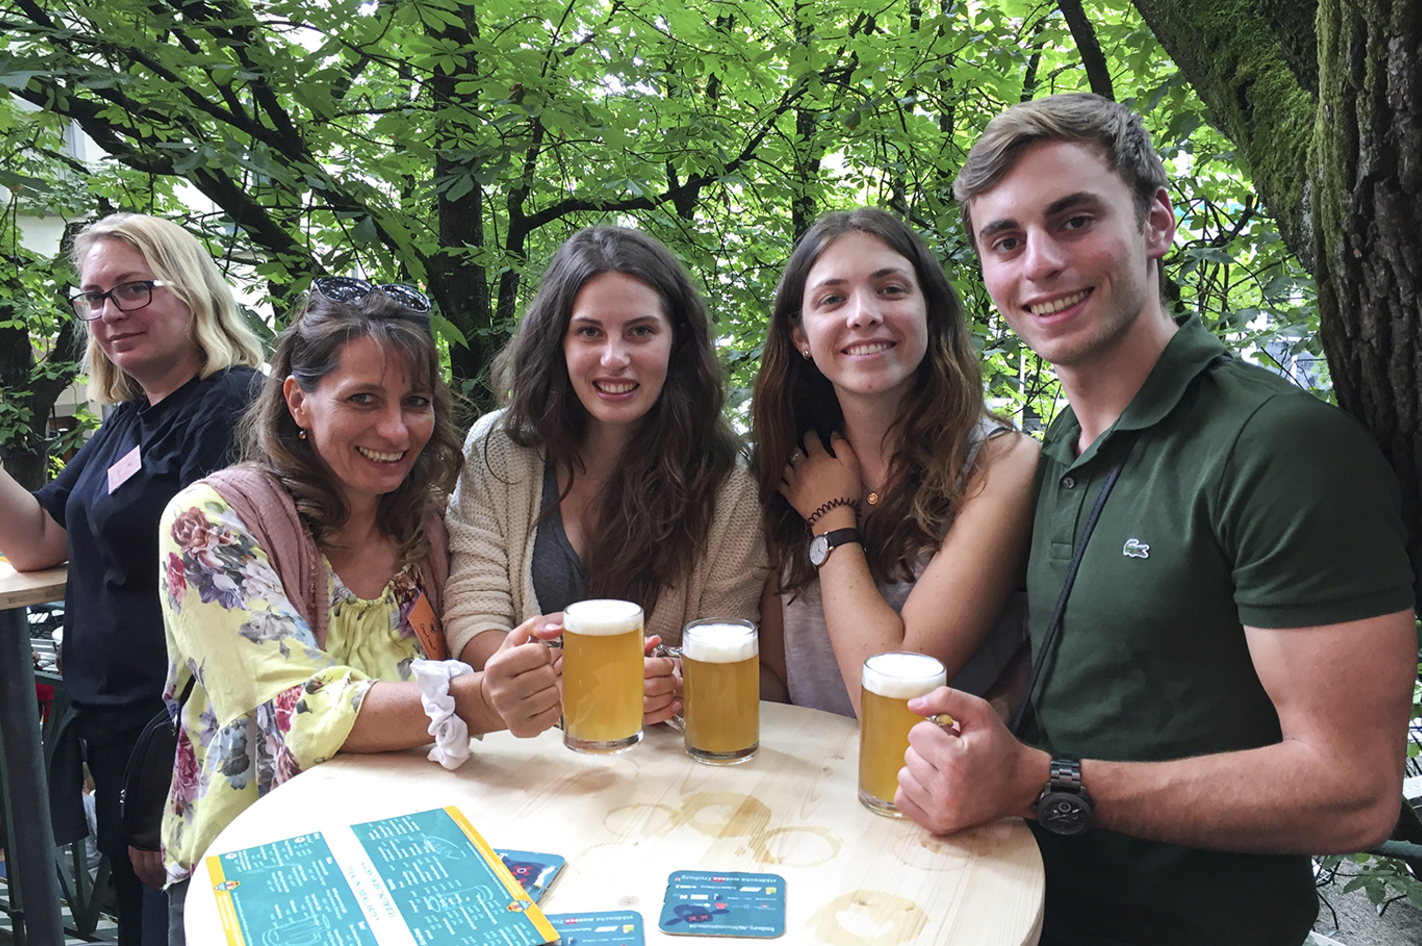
x: 269, y: 702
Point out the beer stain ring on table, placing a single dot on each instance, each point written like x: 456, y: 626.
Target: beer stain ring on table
x: 642, y: 819
x: 924, y: 851
x: 744, y: 815
x: 868, y: 918
x: 588, y: 781
x: 798, y: 846
x: 954, y: 852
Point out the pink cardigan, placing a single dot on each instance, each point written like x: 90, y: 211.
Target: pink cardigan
x: 269, y: 512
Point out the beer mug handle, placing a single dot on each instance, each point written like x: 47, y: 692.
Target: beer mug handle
x: 554, y: 644
x: 677, y: 722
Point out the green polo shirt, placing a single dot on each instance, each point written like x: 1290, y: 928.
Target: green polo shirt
x: 1244, y: 501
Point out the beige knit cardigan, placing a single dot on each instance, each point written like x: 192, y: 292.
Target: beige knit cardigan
x: 493, y: 518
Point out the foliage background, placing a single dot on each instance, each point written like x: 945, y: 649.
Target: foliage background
x: 455, y: 144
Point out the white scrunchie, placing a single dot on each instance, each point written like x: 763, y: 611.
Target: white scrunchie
x: 451, y: 734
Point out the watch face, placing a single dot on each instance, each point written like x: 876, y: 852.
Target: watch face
x: 819, y: 550
x: 1063, y: 813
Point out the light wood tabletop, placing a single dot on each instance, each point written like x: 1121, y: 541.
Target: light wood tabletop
x: 625, y: 822
x: 22, y: 589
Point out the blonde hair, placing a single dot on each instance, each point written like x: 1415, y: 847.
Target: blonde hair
x: 185, y: 268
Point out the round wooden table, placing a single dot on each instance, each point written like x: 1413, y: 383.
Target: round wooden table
x: 624, y: 822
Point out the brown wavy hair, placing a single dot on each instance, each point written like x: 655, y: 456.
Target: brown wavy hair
x: 657, y: 508
x: 931, y: 438
x: 309, y: 350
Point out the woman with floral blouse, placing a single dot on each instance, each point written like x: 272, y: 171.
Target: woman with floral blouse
x: 299, y: 587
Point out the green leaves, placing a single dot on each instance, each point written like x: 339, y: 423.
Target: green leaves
x: 459, y: 143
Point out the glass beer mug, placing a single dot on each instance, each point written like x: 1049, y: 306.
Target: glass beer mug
x: 889, y: 681
x: 602, y: 675
x: 720, y: 668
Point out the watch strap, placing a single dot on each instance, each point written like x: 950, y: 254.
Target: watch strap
x: 1064, y: 807
x: 1065, y: 774
x: 837, y: 537
x: 832, y: 540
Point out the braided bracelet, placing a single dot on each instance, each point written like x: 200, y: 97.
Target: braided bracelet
x: 814, y: 517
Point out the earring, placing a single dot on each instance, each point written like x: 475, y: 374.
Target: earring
x: 805, y: 354
x: 301, y: 432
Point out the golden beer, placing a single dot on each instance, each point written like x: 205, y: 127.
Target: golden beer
x: 720, y: 667
x: 889, y: 682
x: 602, y: 675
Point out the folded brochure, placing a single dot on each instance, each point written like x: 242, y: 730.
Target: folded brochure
x: 425, y: 879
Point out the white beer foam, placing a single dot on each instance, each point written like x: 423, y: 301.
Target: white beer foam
x: 719, y: 643
x: 602, y: 617
x: 902, y: 676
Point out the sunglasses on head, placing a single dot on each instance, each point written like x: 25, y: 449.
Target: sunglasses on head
x: 348, y: 289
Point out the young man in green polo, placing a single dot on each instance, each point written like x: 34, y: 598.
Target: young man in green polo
x: 1229, y: 686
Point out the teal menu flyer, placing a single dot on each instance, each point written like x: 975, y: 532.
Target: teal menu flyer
x: 424, y: 879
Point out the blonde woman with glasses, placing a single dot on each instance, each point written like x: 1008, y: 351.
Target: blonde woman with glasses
x: 168, y: 348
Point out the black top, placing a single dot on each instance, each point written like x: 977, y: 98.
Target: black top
x: 114, y: 653
x: 558, y: 576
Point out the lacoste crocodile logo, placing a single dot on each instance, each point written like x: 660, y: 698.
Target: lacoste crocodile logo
x: 1135, y: 548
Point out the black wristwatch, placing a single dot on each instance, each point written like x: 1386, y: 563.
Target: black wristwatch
x: 1064, y: 807
x: 821, y: 545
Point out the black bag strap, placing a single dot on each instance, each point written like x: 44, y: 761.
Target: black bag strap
x: 177, y: 718
x: 1125, y: 440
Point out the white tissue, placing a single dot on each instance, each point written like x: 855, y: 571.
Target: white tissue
x: 450, y: 733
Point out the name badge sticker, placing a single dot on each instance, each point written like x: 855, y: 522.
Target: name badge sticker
x: 426, y: 627
x: 123, y: 468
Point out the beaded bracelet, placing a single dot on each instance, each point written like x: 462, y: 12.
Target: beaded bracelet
x: 814, y: 517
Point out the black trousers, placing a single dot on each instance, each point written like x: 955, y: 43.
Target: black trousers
x: 109, y: 735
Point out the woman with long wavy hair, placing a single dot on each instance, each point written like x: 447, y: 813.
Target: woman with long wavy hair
x: 302, y: 589
x: 610, y: 472
x: 873, y: 439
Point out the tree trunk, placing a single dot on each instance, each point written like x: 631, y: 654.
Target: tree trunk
x: 1339, y: 168
x: 1234, y: 62
x: 459, y: 285
x: 1367, y: 242
x: 27, y: 450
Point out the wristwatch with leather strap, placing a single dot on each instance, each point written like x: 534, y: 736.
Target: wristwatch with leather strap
x: 826, y: 542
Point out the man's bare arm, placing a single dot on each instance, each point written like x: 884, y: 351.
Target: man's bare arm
x: 1332, y: 784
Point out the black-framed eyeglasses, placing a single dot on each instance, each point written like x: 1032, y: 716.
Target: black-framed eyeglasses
x: 349, y: 289
x: 126, y: 297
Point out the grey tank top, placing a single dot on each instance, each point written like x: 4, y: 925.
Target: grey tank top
x: 814, y: 677
x: 558, y: 576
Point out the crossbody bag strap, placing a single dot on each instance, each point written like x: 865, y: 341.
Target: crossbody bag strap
x: 183, y: 701
x: 1125, y: 440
